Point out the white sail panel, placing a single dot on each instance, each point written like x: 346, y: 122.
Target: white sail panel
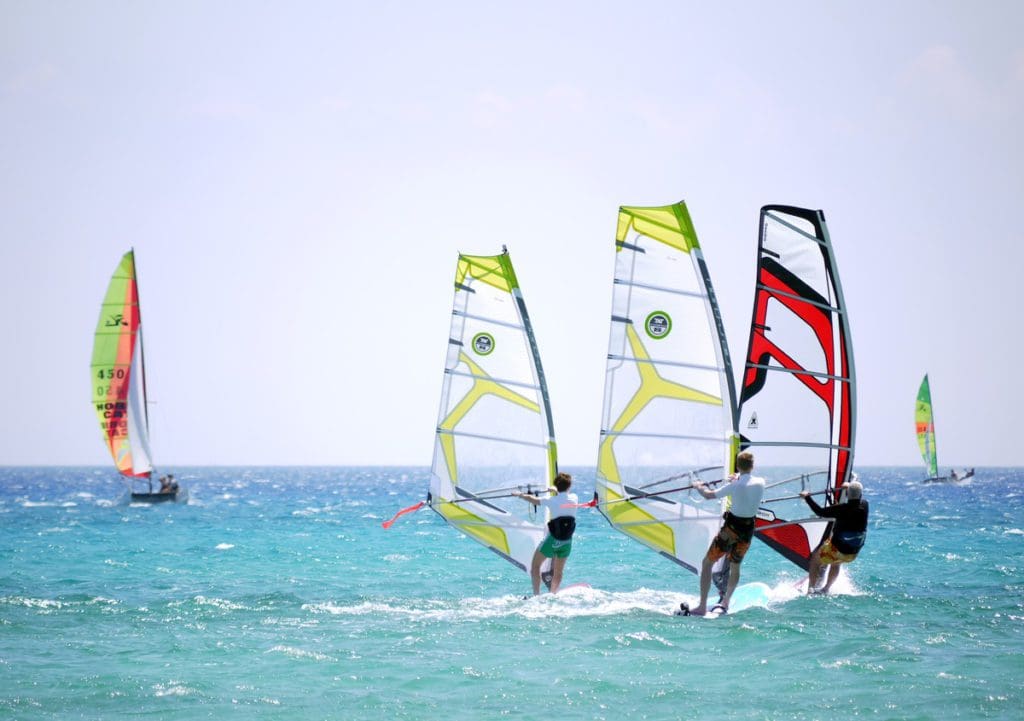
x: 138, y: 429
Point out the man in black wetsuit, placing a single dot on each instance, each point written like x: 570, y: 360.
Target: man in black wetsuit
x: 848, y: 533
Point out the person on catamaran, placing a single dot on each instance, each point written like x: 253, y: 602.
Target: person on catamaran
x: 168, y: 484
x: 557, y: 545
x: 848, y: 534
x: 734, y: 537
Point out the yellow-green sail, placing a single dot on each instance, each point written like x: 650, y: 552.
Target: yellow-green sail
x: 668, y: 398
x: 495, y: 434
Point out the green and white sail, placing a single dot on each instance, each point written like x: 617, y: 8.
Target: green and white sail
x: 668, y: 416
x: 925, y: 426
x: 495, y: 434
x: 118, y: 374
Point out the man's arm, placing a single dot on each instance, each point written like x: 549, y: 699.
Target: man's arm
x: 707, y: 492
x: 829, y: 512
x: 527, y: 497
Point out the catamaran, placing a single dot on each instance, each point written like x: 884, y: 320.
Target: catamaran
x: 495, y: 437
x: 118, y: 375
x: 797, y: 410
x: 669, y: 402
x: 924, y: 423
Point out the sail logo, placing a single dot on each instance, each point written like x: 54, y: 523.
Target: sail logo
x: 116, y: 320
x: 752, y: 423
x: 658, y: 324
x: 483, y: 343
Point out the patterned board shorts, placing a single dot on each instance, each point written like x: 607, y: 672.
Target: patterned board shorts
x: 730, y: 541
x: 553, y: 548
x: 830, y: 555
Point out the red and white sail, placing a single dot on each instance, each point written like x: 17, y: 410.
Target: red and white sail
x: 797, y: 407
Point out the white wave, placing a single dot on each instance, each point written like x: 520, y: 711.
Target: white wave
x: 174, y: 688
x: 46, y: 603
x: 1013, y: 532
x: 220, y: 603
x: 629, y: 639
x: 293, y: 652
x: 224, y: 546
x: 573, y: 601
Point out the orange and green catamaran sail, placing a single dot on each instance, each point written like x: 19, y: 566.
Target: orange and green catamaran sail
x: 118, y: 374
x: 925, y: 426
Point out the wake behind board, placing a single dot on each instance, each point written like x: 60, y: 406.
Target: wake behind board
x: 748, y: 595
x: 574, y: 586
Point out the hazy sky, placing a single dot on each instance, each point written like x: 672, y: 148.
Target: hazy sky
x: 298, y: 178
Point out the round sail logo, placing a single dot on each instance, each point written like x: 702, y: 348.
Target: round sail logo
x: 658, y: 324
x: 483, y: 343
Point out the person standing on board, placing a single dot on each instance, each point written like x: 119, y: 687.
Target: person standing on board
x: 848, y: 534
x: 734, y: 538
x: 558, y: 544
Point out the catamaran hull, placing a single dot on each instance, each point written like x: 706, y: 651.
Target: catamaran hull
x: 180, y: 495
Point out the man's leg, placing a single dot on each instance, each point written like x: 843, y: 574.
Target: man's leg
x: 557, y: 565
x: 734, y: 579
x: 538, y: 559
x: 833, y: 574
x: 705, y: 585
x: 813, y: 571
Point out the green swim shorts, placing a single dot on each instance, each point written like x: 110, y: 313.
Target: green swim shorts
x: 552, y: 548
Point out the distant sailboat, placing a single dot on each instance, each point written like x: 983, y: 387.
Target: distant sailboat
x: 924, y: 424
x: 118, y: 378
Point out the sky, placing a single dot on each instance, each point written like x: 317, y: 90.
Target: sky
x: 297, y: 180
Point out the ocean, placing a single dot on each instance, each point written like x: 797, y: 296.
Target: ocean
x: 275, y: 593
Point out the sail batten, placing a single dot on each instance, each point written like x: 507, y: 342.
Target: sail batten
x: 669, y: 402
x: 798, y: 391
x: 494, y: 432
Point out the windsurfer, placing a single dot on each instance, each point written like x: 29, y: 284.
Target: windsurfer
x: 557, y: 545
x: 736, y: 533
x: 848, y: 534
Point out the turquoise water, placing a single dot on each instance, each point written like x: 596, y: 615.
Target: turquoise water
x: 275, y: 594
